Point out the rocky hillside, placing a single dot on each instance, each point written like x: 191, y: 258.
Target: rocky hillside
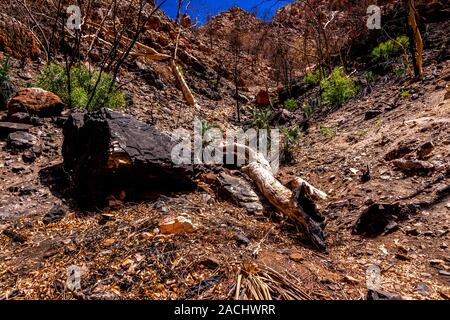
x: 363, y: 185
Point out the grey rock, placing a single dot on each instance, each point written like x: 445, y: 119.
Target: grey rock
x: 56, y: 213
x: 20, y: 117
x: 370, y: 114
x: 423, y: 288
x: 20, y: 140
x: 425, y: 149
x: 382, y: 295
x: 240, y: 191
x: 10, y: 127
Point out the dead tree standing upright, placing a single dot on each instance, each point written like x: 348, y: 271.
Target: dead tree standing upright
x: 415, y: 38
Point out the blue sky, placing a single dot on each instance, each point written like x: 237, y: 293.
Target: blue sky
x: 201, y: 8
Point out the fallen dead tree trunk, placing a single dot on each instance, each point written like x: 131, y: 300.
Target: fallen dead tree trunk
x: 108, y: 154
x: 188, y: 96
x: 298, y: 205
x: 289, y: 203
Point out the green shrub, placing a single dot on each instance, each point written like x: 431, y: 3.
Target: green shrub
x: 399, y: 72
x: 328, y: 131
x: 261, y: 118
x: 370, y: 77
x: 53, y: 78
x: 6, y: 86
x: 385, y: 50
x: 405, y: 93
x: 291, y: 136
x: 313, y: 79
x: 291, y: 105
x: 339, y: 88
x: 308, y: 110
x: 362, y: 133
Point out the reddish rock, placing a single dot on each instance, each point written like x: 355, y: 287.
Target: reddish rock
x: 263, y: 98
x: 176, y: 225
x: 35, y: 101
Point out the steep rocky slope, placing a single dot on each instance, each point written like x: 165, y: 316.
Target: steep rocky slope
x: 360, y: 154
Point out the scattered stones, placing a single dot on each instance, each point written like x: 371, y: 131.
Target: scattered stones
x: 379, y: 218
x: 20, y: 117
x: 108, y: 242
x: 239, y: 190
x: 25, y: 75
x: 10, y: 127
x: 412, y: 232
x: 105, y: 218
x: 429, y: 234
x: 370, y: 114
x: 365, y: 176
x: 402, y: 257
x: 423, y: 288
x: 23, y: 191
x: 398, y: 152
x: 14, y: 236
x: 296, y: 257
x: 382, y: 295
x: 55, y: 214
x: 241, y: 239
x: 425, y: 149
x: 444, y: 273
x: 438, y: 263
x: 281, y: 117
x: 176, y: 225
x: 28, y: 156
x: 37, y: 150
x: 35, y: 101
x: 414, y: 166
x: 17, y: 168
x: 20, y: 140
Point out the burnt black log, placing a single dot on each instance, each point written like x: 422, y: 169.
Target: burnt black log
x: 108, y: 153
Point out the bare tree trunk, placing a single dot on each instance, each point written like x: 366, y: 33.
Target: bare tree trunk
x: 415, y: 39
x: 183, y: 85
x: 288, y: 202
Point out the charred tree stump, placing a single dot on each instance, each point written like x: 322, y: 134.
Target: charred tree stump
x: 110, y: 153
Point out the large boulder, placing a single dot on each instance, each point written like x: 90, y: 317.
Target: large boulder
x: 35, y: 101
x: 109, y: 153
